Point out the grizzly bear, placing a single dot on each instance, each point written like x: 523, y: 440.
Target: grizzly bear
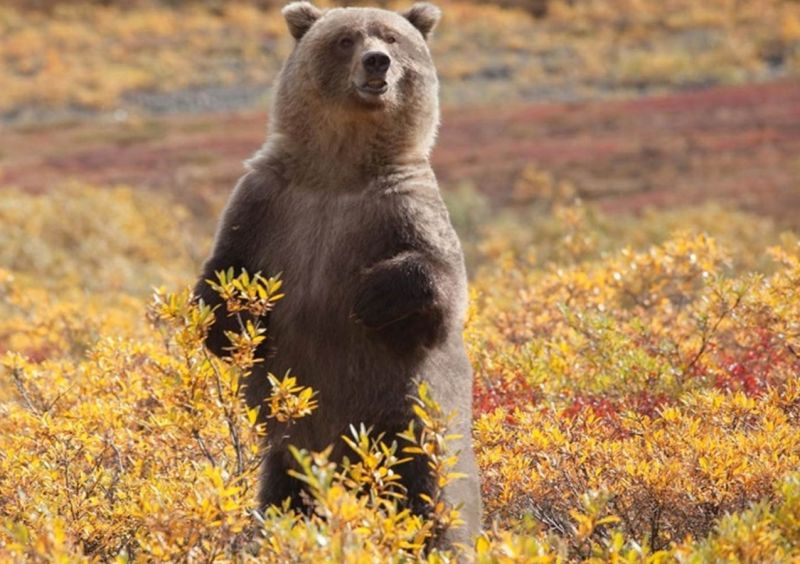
x: 342, y: 201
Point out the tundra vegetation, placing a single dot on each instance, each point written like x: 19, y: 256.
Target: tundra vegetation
x: 637, y: 391
x: 633, y: 402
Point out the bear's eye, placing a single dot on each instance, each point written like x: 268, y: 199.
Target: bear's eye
x: 345, y: 42
x: 391, y: 39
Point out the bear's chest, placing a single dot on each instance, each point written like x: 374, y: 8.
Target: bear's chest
x: 320, y: 243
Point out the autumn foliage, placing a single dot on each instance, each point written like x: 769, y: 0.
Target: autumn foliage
x: 632, y: 403
x: 637, y: 378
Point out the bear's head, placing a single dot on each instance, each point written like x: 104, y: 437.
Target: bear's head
x: 359, y: 73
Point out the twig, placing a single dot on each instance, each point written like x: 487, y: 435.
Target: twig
x: 203, y: 447
x: 15, y: 373
x: 242, y: 327
x: 232, y: 430
x: 67, y: 482
x: 708, y: 335
x: 110, y: 492
x: 654, y: 518
x: 61, y: 394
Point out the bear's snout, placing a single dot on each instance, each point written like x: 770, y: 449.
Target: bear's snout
x: 376, y: 62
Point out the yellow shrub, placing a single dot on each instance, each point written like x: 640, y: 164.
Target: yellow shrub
x: 632, y: 404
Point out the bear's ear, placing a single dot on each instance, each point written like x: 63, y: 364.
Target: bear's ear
x: 300, y: 16
x: 423, y: 16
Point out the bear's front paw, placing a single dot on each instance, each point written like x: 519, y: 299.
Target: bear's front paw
x: 376, y: 307
x: 393, y: 293
x: 401, y: 319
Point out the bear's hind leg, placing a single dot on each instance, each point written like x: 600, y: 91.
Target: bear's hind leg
x: 276, y: 483
x: 462, y: 493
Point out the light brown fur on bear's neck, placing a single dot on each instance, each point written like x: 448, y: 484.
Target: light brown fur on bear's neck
x: 338, y: 151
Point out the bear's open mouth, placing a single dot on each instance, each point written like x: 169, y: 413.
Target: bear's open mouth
x: 375, y: 86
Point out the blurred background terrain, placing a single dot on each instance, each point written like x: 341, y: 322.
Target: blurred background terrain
x: 631, y: 104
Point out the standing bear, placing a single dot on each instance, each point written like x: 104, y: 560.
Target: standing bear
x: 341, y: 199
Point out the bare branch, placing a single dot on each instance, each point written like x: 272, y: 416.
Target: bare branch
x: 232, y: 429
x: 203, y: 447
x: 18, y: 382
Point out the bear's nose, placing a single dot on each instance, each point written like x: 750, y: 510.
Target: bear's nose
x: 376, y: 62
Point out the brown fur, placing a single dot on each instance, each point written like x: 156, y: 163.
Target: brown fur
x: 341, y: 200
